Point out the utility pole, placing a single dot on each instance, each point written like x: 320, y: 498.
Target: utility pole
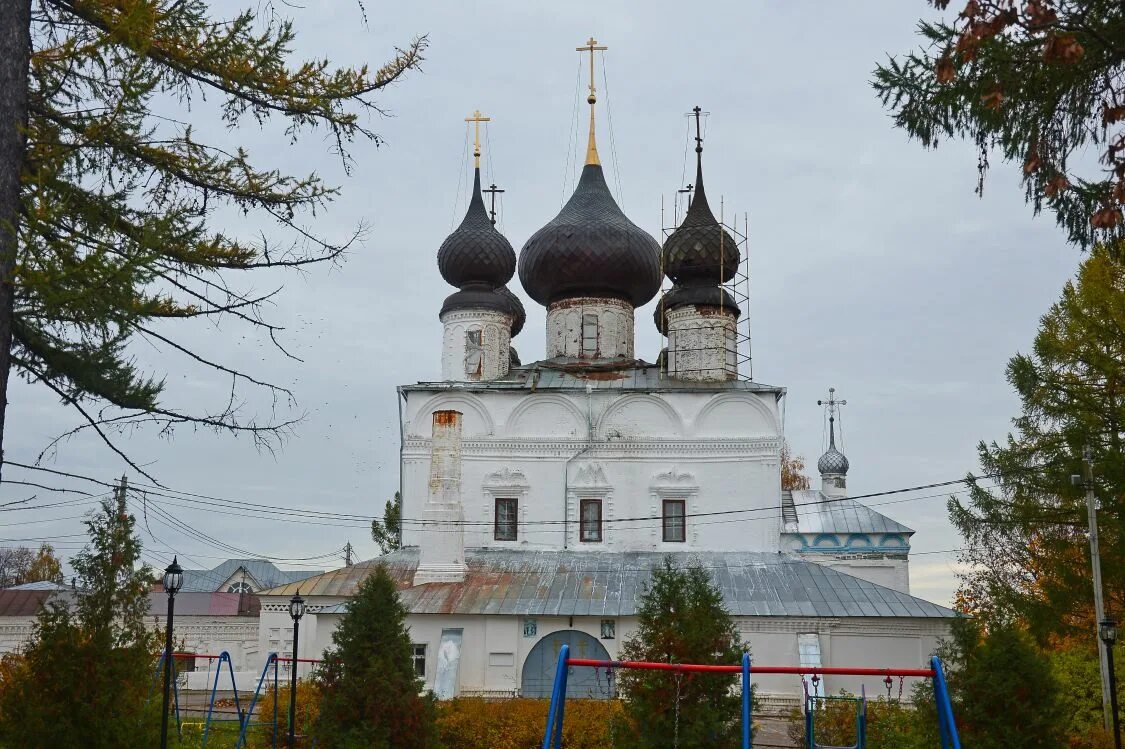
x: 119, y: 495
x: 348, y: 555
x: 1087, y: 480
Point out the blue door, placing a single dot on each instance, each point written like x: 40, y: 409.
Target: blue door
x: 582, y: 682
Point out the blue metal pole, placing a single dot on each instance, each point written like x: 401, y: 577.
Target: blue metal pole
x: 747, y: 737
x: 556, y: 697
x: 950, y: 739
x: 565, y: 671
x: 270, y: 661
x: 211, y: 703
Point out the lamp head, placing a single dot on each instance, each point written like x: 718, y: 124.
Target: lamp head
x: 1107, y: 630
x: 173, y: 577
x: 296, y: 607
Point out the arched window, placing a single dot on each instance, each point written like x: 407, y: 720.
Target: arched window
x: 242, y: 587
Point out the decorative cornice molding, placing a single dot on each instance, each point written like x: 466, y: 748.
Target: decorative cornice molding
x: 765, y: 448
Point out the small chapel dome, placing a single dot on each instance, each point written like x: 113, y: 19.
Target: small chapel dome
x: 476, y: 253
x: 591, y: 249
x: 700, y: 250
x: 833, y: 462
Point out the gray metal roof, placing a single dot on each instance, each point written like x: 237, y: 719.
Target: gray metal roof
x: 569, y: 583
x: 817, y: 514
x: 265, y: 573
x: 565, y: 373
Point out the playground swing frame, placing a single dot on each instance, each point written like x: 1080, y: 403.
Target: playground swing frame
x: 552, y: 735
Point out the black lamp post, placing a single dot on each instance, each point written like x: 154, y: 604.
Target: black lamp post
x: 173, y: 581
x: 1107, y: 630
x: 296, y: 611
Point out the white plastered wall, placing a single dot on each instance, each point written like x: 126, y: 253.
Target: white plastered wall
x: 717, y: 452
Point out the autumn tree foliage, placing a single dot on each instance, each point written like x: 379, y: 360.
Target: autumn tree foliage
x: 21, y: 565
x: 87, y: 677
x: 370, y: 695
x: 1024, y: 522
x: 792, y: 470
x: 113, y: 206
x: 681, y: 619
x: 1041, y: 82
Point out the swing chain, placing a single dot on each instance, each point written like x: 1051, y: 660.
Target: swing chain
x: 901, y: 681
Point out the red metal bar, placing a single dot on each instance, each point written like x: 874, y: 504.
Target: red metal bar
x: 796, y: 670
x: 282, y: 659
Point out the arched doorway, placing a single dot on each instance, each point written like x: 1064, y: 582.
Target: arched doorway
x: 539, y: 668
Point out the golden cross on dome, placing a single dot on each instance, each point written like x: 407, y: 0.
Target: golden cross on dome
x: 476, y: 118
x: 591, y: 46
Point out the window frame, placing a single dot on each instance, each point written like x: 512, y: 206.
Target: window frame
x: 513, y: 520
x: 582, y: 535
x: 667, y: 521
x: 589, y: 322
x: 416, y: 658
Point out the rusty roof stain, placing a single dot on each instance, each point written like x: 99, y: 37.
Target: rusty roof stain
x: 585, y: 583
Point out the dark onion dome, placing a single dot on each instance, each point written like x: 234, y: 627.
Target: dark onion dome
x: 700, y: 250
x: 477, y: 296
x: 591, y: 249
x: 702, y: 296
x: 475, y: 252
x: 519, y: 317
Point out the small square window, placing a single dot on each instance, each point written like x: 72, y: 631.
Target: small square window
x: 419, y: 657
x: 506, y: 520
x: 530, y: 627
x: 609, y: 629
x: 590, y: 529
x: 674, y: 521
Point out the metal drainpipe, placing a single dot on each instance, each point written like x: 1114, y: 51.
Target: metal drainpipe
x: 566, y: 467
x: 401, y: 462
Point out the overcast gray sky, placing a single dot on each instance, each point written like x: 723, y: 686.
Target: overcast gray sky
x: 874, y: 266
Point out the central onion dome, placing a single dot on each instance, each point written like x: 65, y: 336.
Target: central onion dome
x: 591, y: 249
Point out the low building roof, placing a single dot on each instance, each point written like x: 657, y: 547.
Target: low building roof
x: 583, y: 583
x: 267, y: 575
x: 564, y: 373
x: 816, y: 513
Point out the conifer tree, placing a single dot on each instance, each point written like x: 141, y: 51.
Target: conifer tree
x: 1040, y: 82
x: 1003, y: 689
x: 88, y: 676
x: 111, y: 214
x: 388, y: 531
x: 681, y: 619
x: 1024, y: 522
x: 370, y: 695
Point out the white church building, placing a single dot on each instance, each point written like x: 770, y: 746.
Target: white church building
x: 538, y: 497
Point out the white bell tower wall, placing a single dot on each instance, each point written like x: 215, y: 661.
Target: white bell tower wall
x: 476, y: 345
x: 590, y: 328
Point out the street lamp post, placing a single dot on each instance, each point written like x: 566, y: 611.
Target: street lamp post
x: 1107, y: 630
x: 173, y: 581
x: 296, y: 611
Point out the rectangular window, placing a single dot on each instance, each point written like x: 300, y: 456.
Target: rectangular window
x: 674, y: 520
x: 505, y: 519
x: 589, y: 335
x: 419, y: 657
x: 474, y: 353
x: 591, y: 525
x: 808, y: 649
